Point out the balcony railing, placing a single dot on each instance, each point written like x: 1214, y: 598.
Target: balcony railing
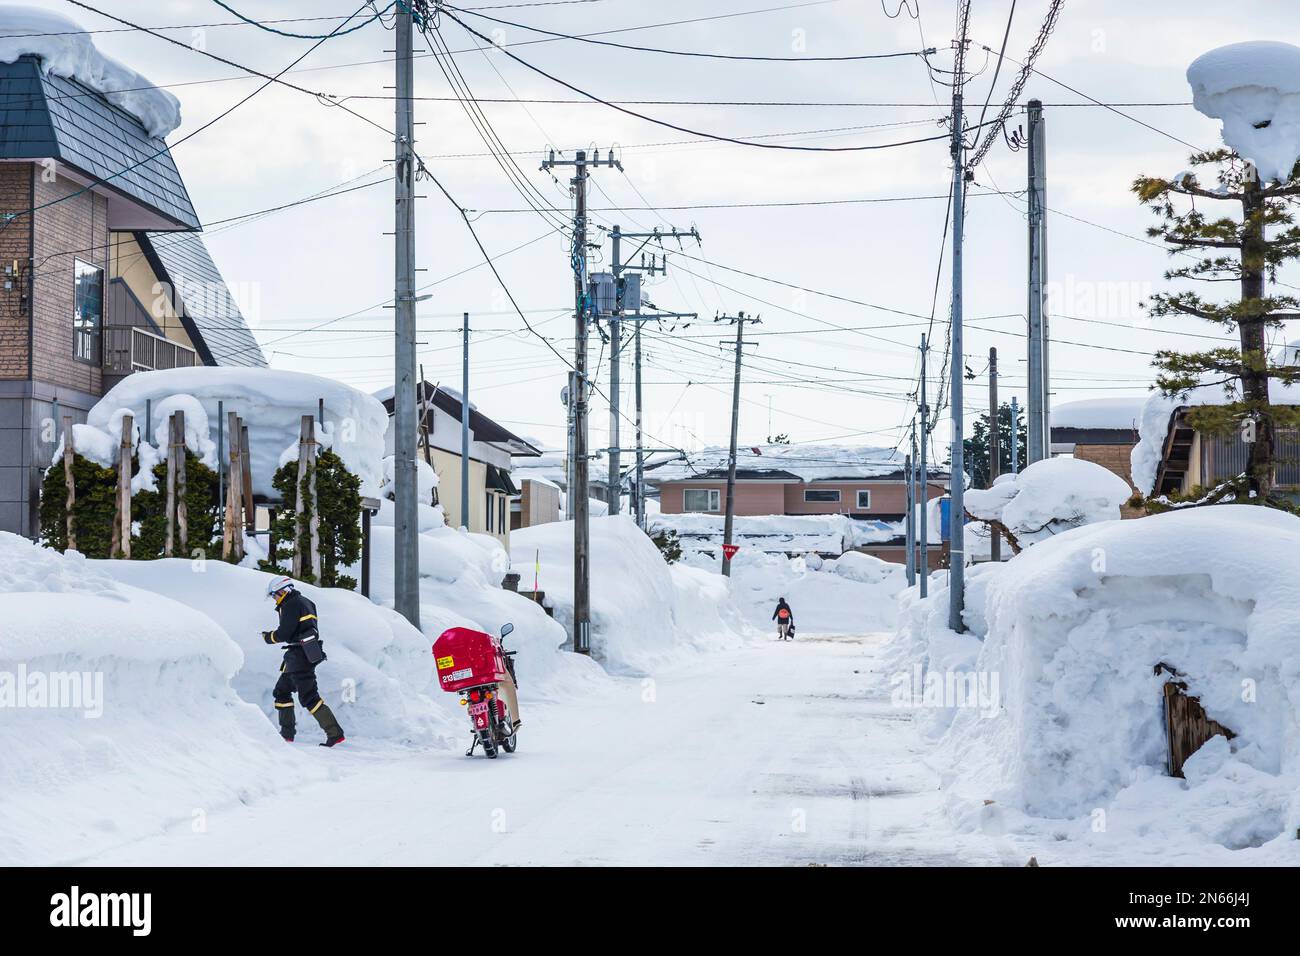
x: 129, y: 348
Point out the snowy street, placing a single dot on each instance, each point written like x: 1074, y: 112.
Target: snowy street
x: 781, y: 754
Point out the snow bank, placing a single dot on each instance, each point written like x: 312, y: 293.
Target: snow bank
x: 67, y: 50
x: 781, y: 534
x: 1072, y: 630
x: 148, y: 732
x: 270, y: 401
x: 1050, y: 496
x: 852, y: 594
x: 1254, y: 88
x: 643, y: 612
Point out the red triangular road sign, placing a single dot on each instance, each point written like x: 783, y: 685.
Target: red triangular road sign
x: 729, y: 550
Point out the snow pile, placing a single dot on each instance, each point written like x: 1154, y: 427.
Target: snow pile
x: 1254, y: 88
x: 271, y: 403
x: 1050, y: 496
x: 779, y: 534
x: 1153, y: 426
x: 644, y: 612
x: 852, y: 594
x: 118, y: 715
x: 1073, y: 629
x: 67, y: 50
x: 426, y: 480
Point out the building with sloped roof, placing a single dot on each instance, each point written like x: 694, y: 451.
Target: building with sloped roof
x: 102, y: 270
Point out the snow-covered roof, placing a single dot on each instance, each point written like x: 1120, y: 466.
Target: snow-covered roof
x: 1117, y: 413
x: 791, y: 462
x: 66, y: 49
x: 1254, y: 88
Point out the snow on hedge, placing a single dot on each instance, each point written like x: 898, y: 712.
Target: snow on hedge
x: 644, y: 612
x: 1050, y: 496
x: 271, y: 403
x: 829, y: 534
x: 1068, y: 634
x: 1254, y: 88
x: 66, y: 49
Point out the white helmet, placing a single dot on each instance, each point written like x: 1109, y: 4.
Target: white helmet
x: 280, y: 583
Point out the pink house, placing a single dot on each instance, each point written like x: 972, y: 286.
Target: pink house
x: 860, y: 483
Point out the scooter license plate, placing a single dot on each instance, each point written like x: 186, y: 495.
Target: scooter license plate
x: 479, y: 709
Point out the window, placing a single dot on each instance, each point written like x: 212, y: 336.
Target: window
x: 821, y: 496
x: 87, y: 311
x: 864, y: 499
x: 501, y: 514
x: 488, y: 509
x: 701, y: 499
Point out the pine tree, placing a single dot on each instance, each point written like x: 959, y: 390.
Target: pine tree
x: 1240, y: 251
x: 977, y: 446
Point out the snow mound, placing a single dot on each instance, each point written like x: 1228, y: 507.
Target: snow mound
x: 1254, y: 88
x: 1073, y: 630
x: 643, y: 612
x: 1118, y: 413
x: 65, y: 49
x: 270, y: 401
x: 1050, y: 496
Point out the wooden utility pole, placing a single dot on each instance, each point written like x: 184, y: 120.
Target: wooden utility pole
x: 995, y: 448
x: 68, y: 453
x: 121, y: 546
x: 738, y: 320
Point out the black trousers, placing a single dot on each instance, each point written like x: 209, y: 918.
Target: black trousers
x: 296, y: 676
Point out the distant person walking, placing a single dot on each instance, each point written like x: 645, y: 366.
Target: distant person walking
x: 784, y: 618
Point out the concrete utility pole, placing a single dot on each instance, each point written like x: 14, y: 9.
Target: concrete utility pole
x: 738, y: 320
x: 957, y: 508
x: 1015, y: 436
x: 1039, y: 432
x: 406, y: 557
x: 464, y: 427
x: 578, y: 492
x: 923, y: 478
x: 909, y: 534
x: 995, y: 447
x: 617, y: 268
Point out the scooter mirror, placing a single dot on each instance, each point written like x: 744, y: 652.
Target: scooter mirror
x: 507, y: 629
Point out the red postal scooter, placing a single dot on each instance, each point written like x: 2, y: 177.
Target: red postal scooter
x: 472, y: 663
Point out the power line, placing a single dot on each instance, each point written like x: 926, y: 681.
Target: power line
x: 303, y: 36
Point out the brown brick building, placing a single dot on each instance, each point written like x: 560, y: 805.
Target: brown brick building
x: 102, y: 272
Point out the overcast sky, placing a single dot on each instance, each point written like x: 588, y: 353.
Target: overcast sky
x: 331, y: 260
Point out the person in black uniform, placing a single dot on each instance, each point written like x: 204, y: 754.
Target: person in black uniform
x: 299, y: 633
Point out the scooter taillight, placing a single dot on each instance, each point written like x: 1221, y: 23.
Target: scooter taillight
x: 475, y: 695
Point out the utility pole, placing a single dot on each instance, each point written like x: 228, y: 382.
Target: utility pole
x: 1015, y: 436
x: 464, y: 427
x: 569, y: 469
x: 738, y: 320
x: 995, y: 448
x: 1039, y: 435
x: 406, y: 557
x: 957, y: 508
x: 578, y: 493
x: 923, y: 479
x: 909, y: 534
x: 617, y: 268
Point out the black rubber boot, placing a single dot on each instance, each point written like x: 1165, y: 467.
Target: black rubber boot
x: 325, y: 717
x: 287, y: 727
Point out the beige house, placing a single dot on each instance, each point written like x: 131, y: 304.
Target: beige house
x: 491, y: 449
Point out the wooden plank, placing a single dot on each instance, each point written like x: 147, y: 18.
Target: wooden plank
x: 71, y: 501
x: 246, y: 480
x: 232, y: 535
x: 121, y: 546
x: 300, y: 560
x: 169, y: 546
x: 1187, y: 726
x: 182, y: 507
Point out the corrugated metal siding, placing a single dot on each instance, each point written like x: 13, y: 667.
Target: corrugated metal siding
x: 1228, y: 457
x: 51, y: 116
x: 206, y: 299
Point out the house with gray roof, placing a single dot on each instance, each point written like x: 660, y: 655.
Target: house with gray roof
x: 103, y: 272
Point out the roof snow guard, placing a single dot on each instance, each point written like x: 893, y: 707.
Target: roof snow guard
x: 201, y: 297
x: 45, y: 116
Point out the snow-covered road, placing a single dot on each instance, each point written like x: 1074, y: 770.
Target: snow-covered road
x: 774, y: 754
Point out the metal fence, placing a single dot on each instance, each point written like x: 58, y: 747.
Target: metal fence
x: 129, y: 348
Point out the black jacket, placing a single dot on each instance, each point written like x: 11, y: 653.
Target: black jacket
x: 297, y: 621
x: 779, y: 605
